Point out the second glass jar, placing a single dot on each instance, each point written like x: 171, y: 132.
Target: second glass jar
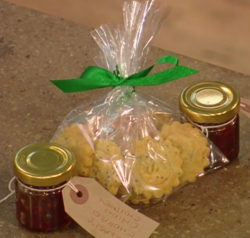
x: 213, y: 107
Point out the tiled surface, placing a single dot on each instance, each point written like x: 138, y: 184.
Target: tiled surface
x: 36, y: 47
x: 215, y: 31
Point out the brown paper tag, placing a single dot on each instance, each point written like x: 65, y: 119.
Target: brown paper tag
x: 245, y: 106
x: 102, y: 214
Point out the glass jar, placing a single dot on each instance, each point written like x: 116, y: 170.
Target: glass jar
x: 41, y: 171
x: 213, y: 107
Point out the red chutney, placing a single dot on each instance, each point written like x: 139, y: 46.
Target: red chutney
x: 226, y: 137
x: 42, y: 170
x: 38, y: 210
x: 213, y: 107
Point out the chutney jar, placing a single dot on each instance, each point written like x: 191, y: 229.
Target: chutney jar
x: 41, y: 172
x: 214, y: 108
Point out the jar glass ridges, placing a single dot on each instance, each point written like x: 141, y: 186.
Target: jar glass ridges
x: 214, y: 106
x: 41, y: 171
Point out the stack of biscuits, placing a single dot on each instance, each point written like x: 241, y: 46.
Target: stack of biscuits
x: 149, y: 168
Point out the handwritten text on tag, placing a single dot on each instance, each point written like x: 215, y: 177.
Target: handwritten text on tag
x: 102, y: 214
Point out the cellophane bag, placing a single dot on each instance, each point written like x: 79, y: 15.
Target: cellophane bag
x: 134, y: 145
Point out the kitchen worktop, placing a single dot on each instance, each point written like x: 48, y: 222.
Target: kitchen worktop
x: 36, y: 47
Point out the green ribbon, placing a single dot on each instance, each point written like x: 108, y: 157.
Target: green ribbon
x: 95, y: 77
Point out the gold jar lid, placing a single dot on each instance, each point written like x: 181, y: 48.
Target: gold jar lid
x: 209, y: 102
x: 44, y: 164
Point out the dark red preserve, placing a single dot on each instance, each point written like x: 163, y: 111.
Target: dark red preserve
x: 42, y: 170
x: 40, y: 210
x: 226, y: 137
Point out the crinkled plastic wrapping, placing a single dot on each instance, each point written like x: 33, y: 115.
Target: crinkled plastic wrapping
x: 136, y: 146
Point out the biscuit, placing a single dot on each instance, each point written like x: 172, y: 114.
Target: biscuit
x: 192, y: 146
x: 156, y: 170
x: 73, y: 138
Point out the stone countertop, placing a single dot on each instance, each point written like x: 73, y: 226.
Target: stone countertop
x: 36, y: 47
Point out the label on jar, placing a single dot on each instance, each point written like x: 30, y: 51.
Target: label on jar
x: 103, y: 215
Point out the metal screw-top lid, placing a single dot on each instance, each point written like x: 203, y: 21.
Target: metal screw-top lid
x: 44, y: 164
x: 209, y: 102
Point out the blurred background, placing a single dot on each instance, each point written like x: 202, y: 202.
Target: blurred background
x: 215, y: 31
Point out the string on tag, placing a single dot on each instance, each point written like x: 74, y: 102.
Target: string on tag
x: 205, y: 129
x: 73, y: 187
x: 12, y: 191
x: 245, y: 107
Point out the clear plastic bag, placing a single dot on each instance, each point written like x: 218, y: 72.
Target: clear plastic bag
x: 136, y: 146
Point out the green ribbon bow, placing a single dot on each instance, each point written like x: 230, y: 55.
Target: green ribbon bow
x: 95, y: 77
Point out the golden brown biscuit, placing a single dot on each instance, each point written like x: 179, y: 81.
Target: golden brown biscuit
x: 73, y: 138
x: 192, y: 146
x: 108, y: 155
x: 156, y: 170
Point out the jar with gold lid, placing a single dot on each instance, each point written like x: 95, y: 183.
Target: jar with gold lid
x: 42, y: 171
x: 213, y: 107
